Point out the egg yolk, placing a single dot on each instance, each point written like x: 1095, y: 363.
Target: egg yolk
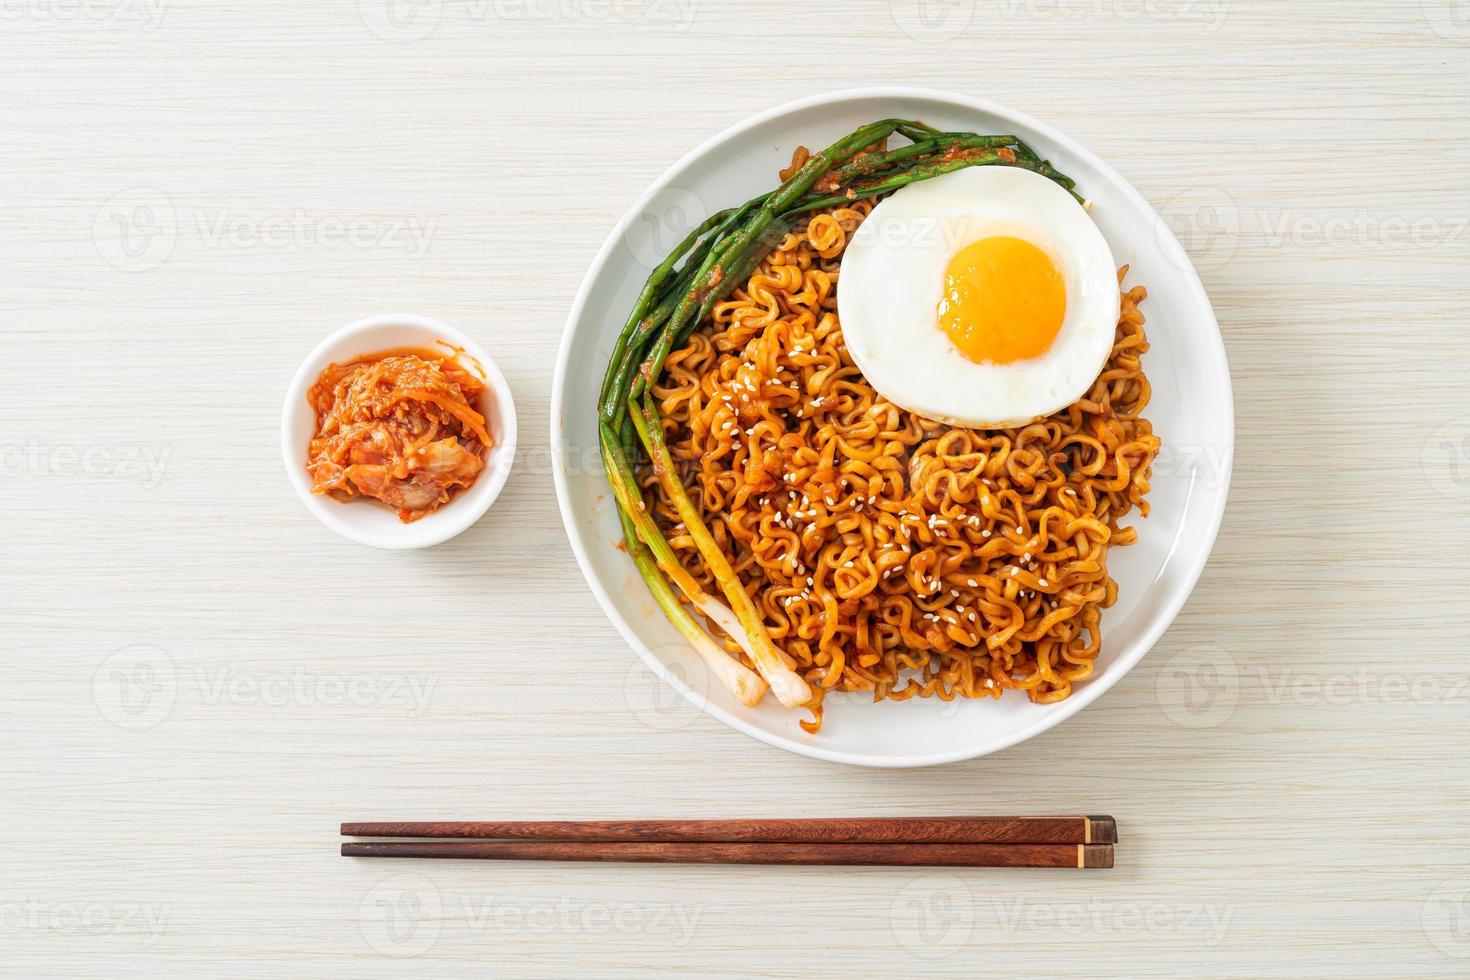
x: 1003, y: 300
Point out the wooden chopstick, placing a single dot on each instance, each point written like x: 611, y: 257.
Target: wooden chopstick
x: 883, y: 853
x: 848, y: 830
x: 981, y: 842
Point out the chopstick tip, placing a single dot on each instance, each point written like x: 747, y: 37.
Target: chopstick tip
x: 1101, y: 830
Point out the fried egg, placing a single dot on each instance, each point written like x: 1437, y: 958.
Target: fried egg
x: 985, y: 298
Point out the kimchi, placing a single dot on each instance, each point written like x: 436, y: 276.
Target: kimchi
x: 399, y: 426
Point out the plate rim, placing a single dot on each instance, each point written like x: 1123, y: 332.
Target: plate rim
x: 1127, y: 659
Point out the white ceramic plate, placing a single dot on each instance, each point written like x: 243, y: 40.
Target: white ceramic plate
x: 1191, y: 411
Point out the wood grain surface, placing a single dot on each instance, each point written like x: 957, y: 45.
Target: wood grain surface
x: 200, y: 682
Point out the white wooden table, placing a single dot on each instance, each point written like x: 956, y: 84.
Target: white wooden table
x: 199, y: 681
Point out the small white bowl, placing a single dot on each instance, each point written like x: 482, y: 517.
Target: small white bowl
x: 369, y: 521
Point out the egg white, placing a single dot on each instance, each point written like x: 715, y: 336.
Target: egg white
x: 892, y: 277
